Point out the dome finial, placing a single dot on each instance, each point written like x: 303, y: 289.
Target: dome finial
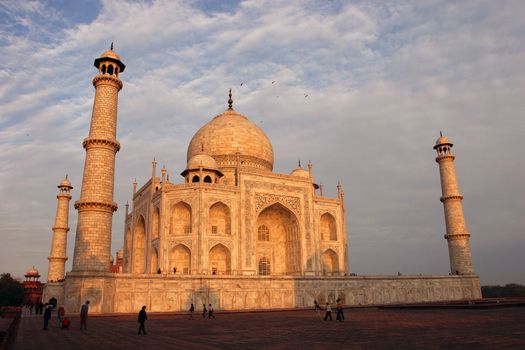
x: 111, y: 47
x: 440, y: 133
x: 230, y: 101
x: 299, y: 163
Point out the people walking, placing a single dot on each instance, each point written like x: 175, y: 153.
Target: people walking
x: 339, y: 311
x: 328, y: 314
x: 142, y: 319
x: 210, y: 312
x: 192, y: 310
x: 204, y: 311
x: 84, y: 315
x: 47, y: 315
x: 317, y: 309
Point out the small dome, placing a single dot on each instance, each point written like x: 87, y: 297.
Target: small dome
x: 442, y: 140
x: 32, y: 272
x: 65, y: 183
x: 202, y: 160
x: 120, y: 254
x: 230, y: 134
x: 301, y: 172
x: 110, y: 54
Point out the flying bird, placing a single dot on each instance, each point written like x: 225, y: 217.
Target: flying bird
x: 305, y: 95
x: 273, y: 82
x: 242, y: 84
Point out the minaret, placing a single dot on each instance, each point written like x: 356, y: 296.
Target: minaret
x: 57, y: 257
x: 457, y: 234
x: 96, y: 206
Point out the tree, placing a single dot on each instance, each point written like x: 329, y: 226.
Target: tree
x: 11, y: 291
x: 509, y: 290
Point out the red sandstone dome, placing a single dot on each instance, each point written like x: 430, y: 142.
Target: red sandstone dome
x: 230, y: 133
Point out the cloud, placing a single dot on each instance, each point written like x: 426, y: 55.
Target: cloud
x: 382, y: 79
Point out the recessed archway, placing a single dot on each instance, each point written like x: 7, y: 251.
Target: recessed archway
x: 128, y: 240
x: 219, y: 260
x: 282, y: 230
x: 155, y: 223
x: 154, y: 260
x: 181, y: 219
x: 180, y: 260
x: 219, y: 219
x: 328, y: 227
x: 139, y: 246
x: 330, y: 262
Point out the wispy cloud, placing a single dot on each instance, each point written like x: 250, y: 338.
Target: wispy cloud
x: 381, y: 78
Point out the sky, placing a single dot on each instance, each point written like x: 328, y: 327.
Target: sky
x: 382, y: 79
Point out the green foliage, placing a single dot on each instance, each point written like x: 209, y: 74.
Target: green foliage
x: 11, y: 291
x: 509, y: 290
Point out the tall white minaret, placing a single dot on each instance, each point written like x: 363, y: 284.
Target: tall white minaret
x: 57, y: 257
x: 457, y: 233
x: 96, y: 206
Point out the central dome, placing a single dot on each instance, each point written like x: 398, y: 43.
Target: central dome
x: 229, y: 134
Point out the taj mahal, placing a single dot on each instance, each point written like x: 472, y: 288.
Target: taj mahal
x: 229, y: 231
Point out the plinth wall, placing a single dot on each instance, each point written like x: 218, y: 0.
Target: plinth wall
x: 124, y: 293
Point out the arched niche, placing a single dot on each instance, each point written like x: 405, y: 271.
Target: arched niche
x: 330, y: 262
x: 139, y: 246
x: 283, y: 238
x: 180, y: 260
x: 155, y: 223
x: 128, y: 240
x: 154, y: 260
x: 219, y: 219
x: 219, y: 260
x: 181, y: 219
x: 328, y: 227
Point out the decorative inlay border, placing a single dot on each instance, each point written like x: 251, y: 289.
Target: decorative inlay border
x: 451, y: 198
x: 263, y: 200
x: 453, y: 237
x: 113, y: 144
x: 104, y: 206
x: 173, y: 242
x: 107, y: 79
x: 225, y: 242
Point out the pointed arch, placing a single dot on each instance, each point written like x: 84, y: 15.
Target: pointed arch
x: 219, y: 260
x: 155, y: 223
x: 181, y: 219
x: 328, y: 227
x: 180, y: 260
x: 139, y: 246
x: 128, y: 240
x: 154, y: 260
x: 330, y: 262
x: 280, y: 225
x: 219, y: 219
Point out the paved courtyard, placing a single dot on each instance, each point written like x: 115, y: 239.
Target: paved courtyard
x: 364, y: 328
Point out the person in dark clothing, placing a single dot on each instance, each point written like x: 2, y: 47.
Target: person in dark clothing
x: 47, y: 316
x: 328, y: 312
x: 192, y: 310
x: 204, y: 311
x: 339, y: 311
x: 142, y: 319
x: 210, y: 312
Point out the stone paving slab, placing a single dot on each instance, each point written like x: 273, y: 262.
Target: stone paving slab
x: 368, y: 328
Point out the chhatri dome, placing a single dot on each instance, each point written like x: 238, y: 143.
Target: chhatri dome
x: 229, y: 134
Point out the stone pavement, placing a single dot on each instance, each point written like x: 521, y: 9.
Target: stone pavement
x: 364, y: 328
